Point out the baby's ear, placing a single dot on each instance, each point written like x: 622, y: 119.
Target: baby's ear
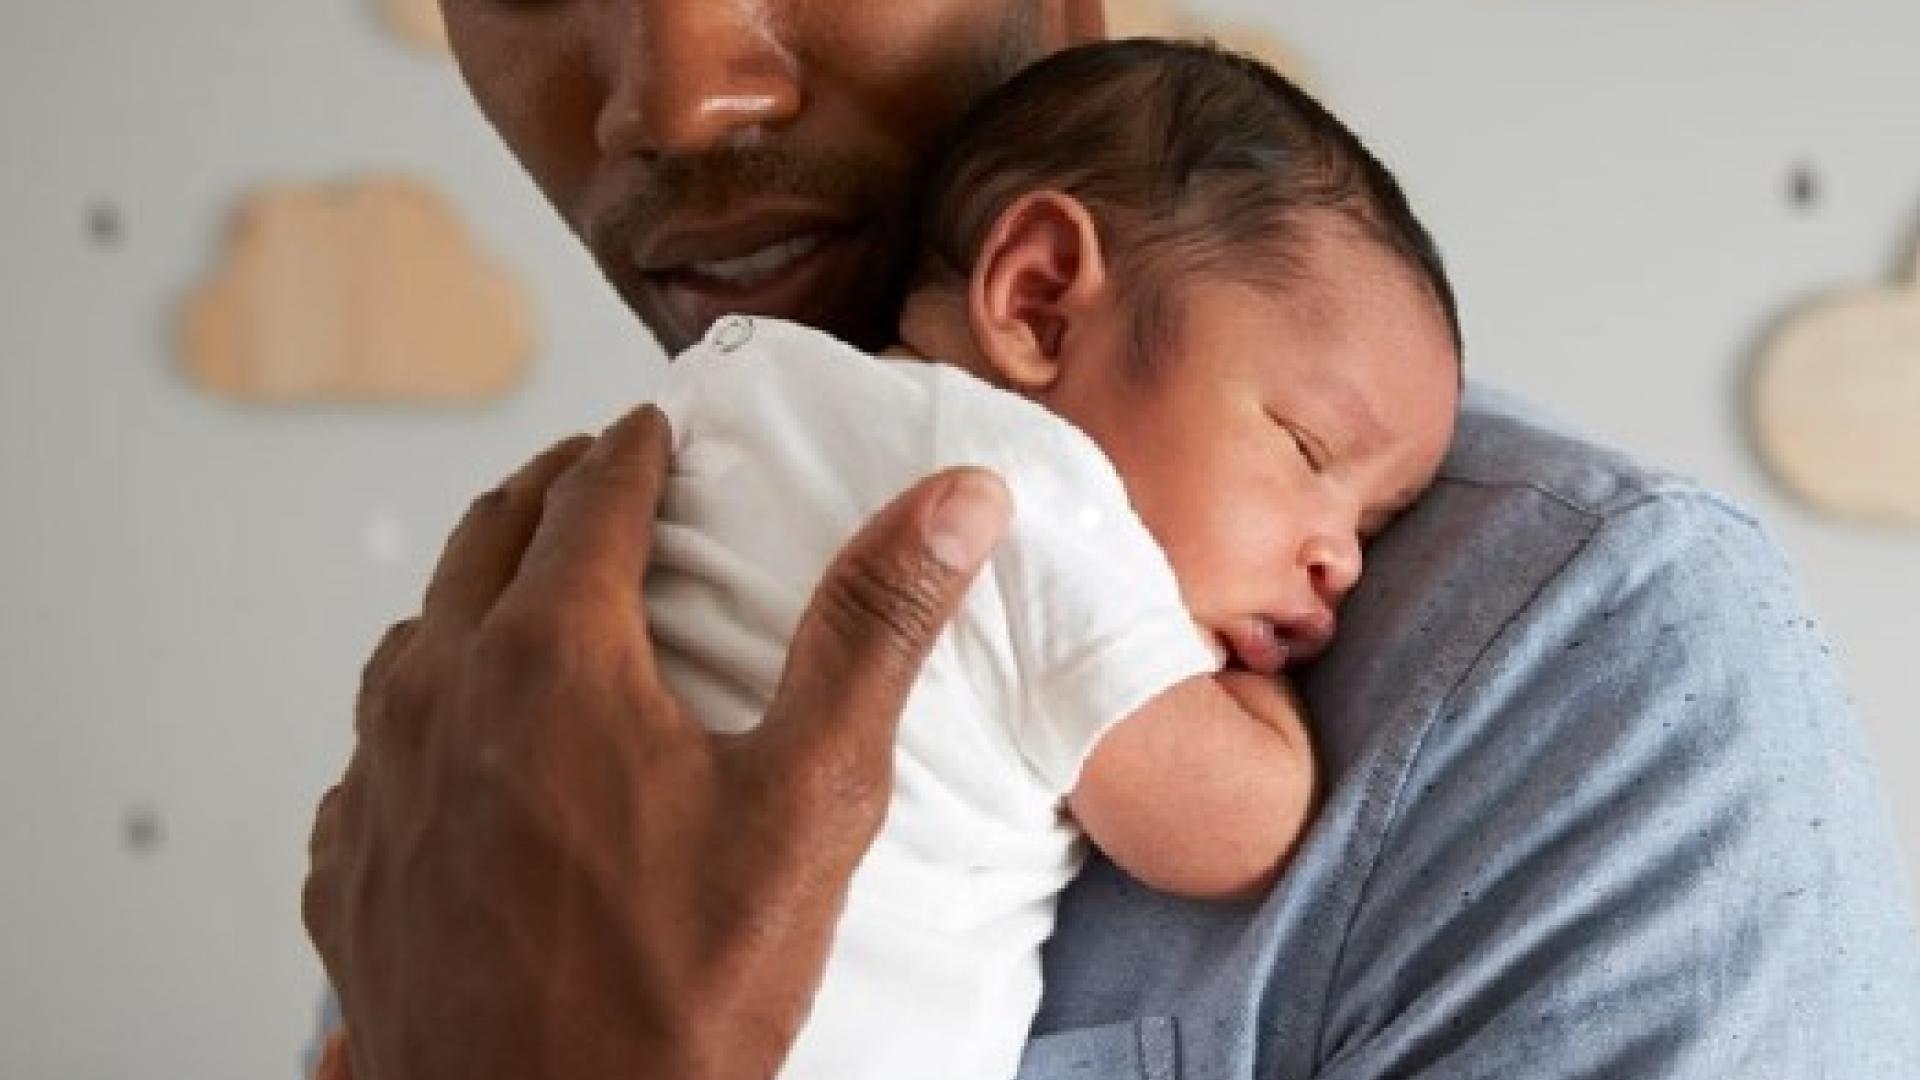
x: 1040, y: 278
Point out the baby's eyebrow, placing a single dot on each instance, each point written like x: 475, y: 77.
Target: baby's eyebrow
x: 1354, y: 412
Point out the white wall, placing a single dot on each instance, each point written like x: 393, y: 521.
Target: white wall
x: 190, y: 588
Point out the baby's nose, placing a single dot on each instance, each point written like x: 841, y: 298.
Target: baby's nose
x: 1333, y: 563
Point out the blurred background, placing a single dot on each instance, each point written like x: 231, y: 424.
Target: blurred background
x: 1632, y: 194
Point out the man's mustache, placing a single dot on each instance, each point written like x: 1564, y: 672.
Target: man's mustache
x: 716, y: 183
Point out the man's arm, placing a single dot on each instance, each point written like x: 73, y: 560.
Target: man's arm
x: 1204, y: 791
x: 537, y: 865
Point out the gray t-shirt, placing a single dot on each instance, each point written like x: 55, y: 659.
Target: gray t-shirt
x: 1597, y: 806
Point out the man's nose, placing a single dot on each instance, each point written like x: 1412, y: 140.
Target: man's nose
x: 684, y: 76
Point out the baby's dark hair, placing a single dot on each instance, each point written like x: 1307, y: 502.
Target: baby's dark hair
x: 1194, y: 161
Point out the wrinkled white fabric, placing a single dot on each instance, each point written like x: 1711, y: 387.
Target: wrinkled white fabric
x: 786, y: 441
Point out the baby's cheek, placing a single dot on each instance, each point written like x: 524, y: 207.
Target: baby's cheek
x: 1227, y: 552
x: 1256, y: 535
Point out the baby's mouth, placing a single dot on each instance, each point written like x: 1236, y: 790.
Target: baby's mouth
x: 1255, y: 643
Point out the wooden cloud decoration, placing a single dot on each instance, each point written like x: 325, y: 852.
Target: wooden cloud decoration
x: 366, y: 291
x: 1836, y: 403
x: 416, y: 22
x: 1169, y: 19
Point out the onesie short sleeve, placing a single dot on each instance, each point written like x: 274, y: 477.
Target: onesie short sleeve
x: 787, y: 440
x: 1094, y: 619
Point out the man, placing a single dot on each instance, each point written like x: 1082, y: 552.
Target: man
x: 1595, y: 803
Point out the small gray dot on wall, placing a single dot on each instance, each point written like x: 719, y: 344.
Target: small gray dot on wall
x: 105, y: 227
x: 1803, y: 187
x: 142, y: 830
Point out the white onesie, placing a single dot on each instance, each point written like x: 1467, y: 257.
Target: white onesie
x: 786, y: 441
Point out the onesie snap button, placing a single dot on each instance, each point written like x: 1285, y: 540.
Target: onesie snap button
x: 732, y: 332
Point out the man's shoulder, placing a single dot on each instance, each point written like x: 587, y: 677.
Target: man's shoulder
x: 1555, y: 599
x: 1589, y: 693
x: 1581, y: 740
x: 1530, y: 533
x: 1506, y: 445
x: 1530, y: 539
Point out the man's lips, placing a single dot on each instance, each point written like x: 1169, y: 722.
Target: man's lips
x: 788, y: 264
x: 687, y: 247
x: 744, y: 271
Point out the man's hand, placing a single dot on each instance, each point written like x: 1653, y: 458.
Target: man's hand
x: 537, y: 865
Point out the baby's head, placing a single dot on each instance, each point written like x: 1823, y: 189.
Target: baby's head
x: 1181, y: 253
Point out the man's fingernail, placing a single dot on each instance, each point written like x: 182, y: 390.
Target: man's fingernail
x: 968, y: 520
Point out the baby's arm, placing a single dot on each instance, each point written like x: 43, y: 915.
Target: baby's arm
x: 1205, y: 790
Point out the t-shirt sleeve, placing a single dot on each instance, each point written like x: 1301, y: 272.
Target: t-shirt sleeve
x: 1641, y: 839
x: 1094, y: 622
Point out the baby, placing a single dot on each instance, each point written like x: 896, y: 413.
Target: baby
x: 1195, y: 327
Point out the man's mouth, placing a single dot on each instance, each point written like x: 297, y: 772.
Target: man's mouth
x: 790, y: 265
x: 758, y: 267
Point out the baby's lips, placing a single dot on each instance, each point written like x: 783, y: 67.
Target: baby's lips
x: 1306, y: 636
x: 1256, y: 645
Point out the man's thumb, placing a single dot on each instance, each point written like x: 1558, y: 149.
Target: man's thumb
x: 874, y: 617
